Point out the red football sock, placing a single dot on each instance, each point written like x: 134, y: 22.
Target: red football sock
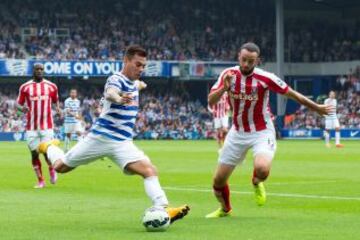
x: 37, y: 168
x: 223, y: 194
x: 253, y: 177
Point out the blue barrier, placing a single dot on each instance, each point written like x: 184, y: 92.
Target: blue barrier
x: 318, y: 133
x: 12, y: 136
x: 285, y: 133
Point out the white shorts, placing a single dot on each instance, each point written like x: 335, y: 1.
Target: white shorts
x: 332, y: 123
x: 34, y: 138
x: 72, y: 127
x: 238, y: 143
x: 93, y: 147
x: 221, y: 122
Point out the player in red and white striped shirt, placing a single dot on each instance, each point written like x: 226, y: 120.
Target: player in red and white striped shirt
x: 248, y: 88
x: 220, y: 112
x: 36, y: 97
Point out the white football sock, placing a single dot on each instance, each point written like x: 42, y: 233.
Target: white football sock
x: 54, y: 153
x: 327, y: 137
x: 155, y: 192
x: 337, y: 137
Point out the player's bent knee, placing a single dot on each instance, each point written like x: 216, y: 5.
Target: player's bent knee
x: 149, y: 171
x: 262, y: 166
x: 142, y: 168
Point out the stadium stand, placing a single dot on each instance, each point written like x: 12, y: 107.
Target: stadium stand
x: 74, y: 30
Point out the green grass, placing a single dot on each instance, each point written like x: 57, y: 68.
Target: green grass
x: 99, y: 202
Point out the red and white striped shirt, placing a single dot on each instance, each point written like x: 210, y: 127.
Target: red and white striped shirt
x: 221, y: 108
x: 38, y: 97
x: 249, y: 98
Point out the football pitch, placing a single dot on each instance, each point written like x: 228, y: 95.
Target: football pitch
x: 313, y: 193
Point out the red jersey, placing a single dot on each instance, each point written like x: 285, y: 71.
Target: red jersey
x: 249, y: 98
x: 38, y: 97
x: 222, y: 107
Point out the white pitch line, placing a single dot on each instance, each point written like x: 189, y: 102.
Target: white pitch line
x: 302, y: 182
x: 288, y: 195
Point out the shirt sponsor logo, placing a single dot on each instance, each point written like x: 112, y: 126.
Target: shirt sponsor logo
x: 243, y: 96
x: 36, y: 98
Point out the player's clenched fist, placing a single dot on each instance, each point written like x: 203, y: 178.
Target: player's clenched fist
x: 227, y: 79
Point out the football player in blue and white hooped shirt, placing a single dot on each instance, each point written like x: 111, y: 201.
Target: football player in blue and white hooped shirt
x: 332, y: 122
x: 111, y: 135
x: 72, y: 121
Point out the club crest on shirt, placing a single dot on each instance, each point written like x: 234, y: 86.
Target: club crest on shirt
x: 280, y: 83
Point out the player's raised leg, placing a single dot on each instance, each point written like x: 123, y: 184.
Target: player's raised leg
x: 55, y: 155
x: 221, y: 190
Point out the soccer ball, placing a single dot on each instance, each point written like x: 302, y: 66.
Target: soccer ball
x: 156, y: 219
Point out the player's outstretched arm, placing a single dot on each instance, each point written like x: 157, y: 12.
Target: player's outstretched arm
x: 215, y: 96
x: 113, y: 95
x: 321, y: 109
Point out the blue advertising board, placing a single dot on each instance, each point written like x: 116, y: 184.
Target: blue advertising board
x: 22, y: 67
x: 318, y: 133
x: 353, y: 134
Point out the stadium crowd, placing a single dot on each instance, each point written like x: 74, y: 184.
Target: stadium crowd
x: 348, y: 108
x: 162, y: 116
x: 101, y: 31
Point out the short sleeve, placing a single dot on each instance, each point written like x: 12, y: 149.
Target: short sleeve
x: 277, y: 85
x: 21, y: 97
x: 113, y: 82
x: 54, y: 94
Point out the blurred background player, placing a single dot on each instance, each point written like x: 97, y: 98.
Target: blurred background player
x: 112, y: 134
x: 36, y: 97
x: 72, y: 121
x: 220, y: 112
x: 248, y: 89
x: 332, y: 122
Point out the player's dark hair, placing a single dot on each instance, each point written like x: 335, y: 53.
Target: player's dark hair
x: 251, y: 47
x: 38, y: 65
x: 133, y: 50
